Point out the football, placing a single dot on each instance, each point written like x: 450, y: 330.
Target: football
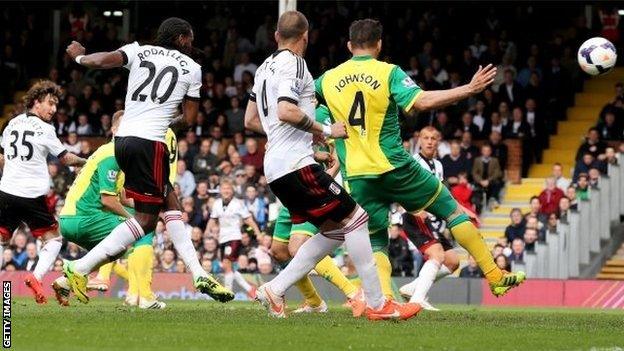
x: 597, y: 56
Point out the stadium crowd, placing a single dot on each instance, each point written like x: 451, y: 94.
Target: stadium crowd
x: 535, y: 84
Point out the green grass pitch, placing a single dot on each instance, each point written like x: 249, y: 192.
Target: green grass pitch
x: 105, y: 324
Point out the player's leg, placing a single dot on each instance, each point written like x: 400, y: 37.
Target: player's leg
x: 132, y: 294
x: 142, y: 266
x: 340, y: 219
x: 313, y: 301
x: 44, y: 226
x: 434, y: 197
x: 203, y: 281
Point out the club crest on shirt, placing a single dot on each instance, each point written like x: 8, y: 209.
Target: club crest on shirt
x: 334, y: 188
x: 297, y: 86
x: 111, y: 175
x: 408, y: 82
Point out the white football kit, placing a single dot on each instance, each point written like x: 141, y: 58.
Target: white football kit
x: 230, y: 218
x: 27, y: 141
x: 284, y: 76
x: 159, y: 80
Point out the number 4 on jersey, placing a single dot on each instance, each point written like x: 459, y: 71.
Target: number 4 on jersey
x: 358, y: 112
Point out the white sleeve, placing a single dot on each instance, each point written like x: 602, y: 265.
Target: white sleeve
x: 243, y: 211
x: 130, y: 53
x: 255, y: 90
x: 52, y: 143
x: 291, y: 83
x: 214, y: 214
x: 195, y: 84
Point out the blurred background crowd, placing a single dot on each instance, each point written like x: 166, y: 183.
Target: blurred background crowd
x: 440, y: 48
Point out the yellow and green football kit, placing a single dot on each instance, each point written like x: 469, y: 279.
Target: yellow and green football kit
x: 365, y: 94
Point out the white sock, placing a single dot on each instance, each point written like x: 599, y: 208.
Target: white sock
x: 308, y: 255
x: 49, y: 252
x: 108, y: 249
x: 443, y: 272
x: 357, y: 243
x: 425, y: 279
x: 183, y: 244
x: 240, y: 280
x: 228, y: 280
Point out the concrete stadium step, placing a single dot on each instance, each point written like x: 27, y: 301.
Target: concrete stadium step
x: 545, y: 170
x: 533, y: 181
x: 550, y: 156
x: 564, y: 142
x: 505, y: 210
x: 495, y: 221
x: 610, y: 276
x: 583, y: 113
x: 492, y: 234
x: 574, y: 127
x: 617, y: 270
x: 604, y: 85
x: 592, y: 99
x: 615, y: 263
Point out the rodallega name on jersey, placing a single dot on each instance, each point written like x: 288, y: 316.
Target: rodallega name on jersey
x: 147, y: 52
x: 356, y: 78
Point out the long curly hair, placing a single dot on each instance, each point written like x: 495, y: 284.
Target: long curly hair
x: 39, y: 91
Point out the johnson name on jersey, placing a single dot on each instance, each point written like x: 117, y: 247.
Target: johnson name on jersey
x: 159, y: 80
x: 284, y: 76
x: 26, y: 142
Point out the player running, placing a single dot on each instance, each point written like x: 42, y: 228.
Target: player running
x: 282, y: 105
x: 27, y: 141
x: 365, y: 94
x: 426, y: 230
x: 161, y: 77
x: 94, y: 206
x: 288, y: 238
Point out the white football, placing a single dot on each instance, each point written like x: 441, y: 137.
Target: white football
x: 597, y: 56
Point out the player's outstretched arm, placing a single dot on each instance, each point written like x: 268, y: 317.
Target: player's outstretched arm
x: 104, y: 60
x: 69, y: 159
x: 435, y: 99
x: 290, y: 113
x: 252, y: 118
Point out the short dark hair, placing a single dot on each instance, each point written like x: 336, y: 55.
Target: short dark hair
x: 292, y: 25
x: 39, y: 91
x: 365, y: 33
x: 169, y: 31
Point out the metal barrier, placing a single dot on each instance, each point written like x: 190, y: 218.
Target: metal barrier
x: 565, y: 250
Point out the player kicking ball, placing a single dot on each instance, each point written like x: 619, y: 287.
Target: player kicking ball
x: 365, y: 94
x: 283, y: 106
x: 162, y: 76
x: 94, y: 206
x: 27, y: 141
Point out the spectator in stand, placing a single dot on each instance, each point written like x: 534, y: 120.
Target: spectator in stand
x: 517, y: 250
x: 551, y: 224
x: 594, y: 176
x: 61, y: 122
x: 32, y: 258
x: 571, y: 194
x: 487, y: 174
x: 183, y: 152
x: 455, y: 163
x: 498, y: 250
x: 517, y: 128
x: 582, y: 187
x: 480, y: 118
x: 244, y: 65
x: 8, y: 262
x: 592, y: 145
x: 471, y: 270
x: 530, y: 238
x: 254, y: 156
x: 537, y: 129
x: 82, y: 126
x: 516, y: 228
x: 168, y: 261
x: 219, y: 146
x: 497, y: 124
x: 19, y: 248
x: 462, y: 191
x: 185, y: 179
x: 399, y: 253
x: 534, y: 223
x: 610, y: 129
x: 85, y: 149
x: 235, y: 117
x: 564, y: 209
x: 201, y: 125
x: 256, y: 206
x: 467, y: 125
x: 535, y: 209
x: 510, y: 91
x: 549, y: 197
x: 445, y: 127
x: 502, y: 262
x: 204, y: 162
x: 105, y: 127
x: 499, y: 149
x: 584, y: 165
x: 557, y: 173
x: 468, y: 149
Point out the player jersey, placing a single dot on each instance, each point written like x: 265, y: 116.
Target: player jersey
x: 159, y: 80
x: 284, y: 76
x: 100, y: 175
x: 365, y: 94
x: 172, y: 145
x: 26, y: 142
x: 230, y: 218
x: 434, y: 166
